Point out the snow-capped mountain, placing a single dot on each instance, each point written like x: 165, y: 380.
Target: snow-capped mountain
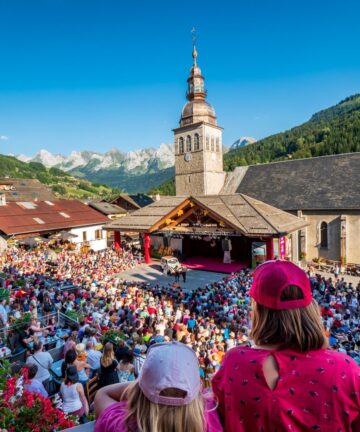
x: 134, y: 171
x: 242, y: 142
x: 139, y: 160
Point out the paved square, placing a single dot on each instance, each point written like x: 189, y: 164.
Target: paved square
x: 152, y: 273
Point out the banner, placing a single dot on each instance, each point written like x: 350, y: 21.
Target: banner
x: 282, y: 247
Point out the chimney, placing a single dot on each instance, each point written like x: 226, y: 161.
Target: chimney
x: 2, y: 200
x: 157, y: 197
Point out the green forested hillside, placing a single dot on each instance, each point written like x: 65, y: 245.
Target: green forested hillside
x: 331, y: 131
x: 166, y: 188
x: 63, y: 184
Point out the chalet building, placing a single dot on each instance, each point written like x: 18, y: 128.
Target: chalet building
x: 77, y: 222
x: 130, y: 203
x: 111, y: 211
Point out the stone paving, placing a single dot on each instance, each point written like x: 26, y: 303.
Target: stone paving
x: 152, y: 273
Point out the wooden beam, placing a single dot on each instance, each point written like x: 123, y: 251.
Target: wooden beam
x: 172, y: 213
x: 182, y: 217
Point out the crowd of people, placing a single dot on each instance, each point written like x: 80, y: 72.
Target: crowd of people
x: 210, y: 320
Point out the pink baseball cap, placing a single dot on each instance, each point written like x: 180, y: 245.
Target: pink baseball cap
x: 170, y: 365
x: 270, y: 280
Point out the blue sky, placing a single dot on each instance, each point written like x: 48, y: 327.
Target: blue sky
x: 97, y: 74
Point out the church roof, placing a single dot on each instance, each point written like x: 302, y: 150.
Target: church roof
x: 320, y: 183
x: 238, y: 212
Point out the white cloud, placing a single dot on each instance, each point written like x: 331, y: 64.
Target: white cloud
x: 3, y: 138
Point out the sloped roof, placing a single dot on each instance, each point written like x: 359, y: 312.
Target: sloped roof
x: 137, y: 201
x: 320, y: 183
x: 107, y: 208
x: 16, y: 189
x: 43, y: 216
x: 146, y: 217
x: 243, y: 213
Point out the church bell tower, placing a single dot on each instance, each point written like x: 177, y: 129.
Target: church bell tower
x: 198, y: 142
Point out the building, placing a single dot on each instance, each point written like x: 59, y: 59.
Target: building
x: 198, y: 142
x: 18, y: 189
x: 322, y: 194
x: 112, y: 211
x: 82, y: 225
x: 213, y: 231
x: 324, y: 191
x: 130, y: 203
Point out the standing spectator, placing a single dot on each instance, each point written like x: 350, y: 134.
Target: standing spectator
x: 108, y: 366
x: 3, y: 313
x: 43, y: 361
x: 282, y: 383
x: 140, y: 360
x: 183, y: 273
x: 71, y: 342
x: 73, y: 396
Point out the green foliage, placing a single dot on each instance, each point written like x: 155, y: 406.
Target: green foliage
x: 74, y: 315
x: 4, y: 294
x: 167, y: 188
x: 23, y: 321
x: 113, y: 336
x: 61, y: 190
x: 332, y: 131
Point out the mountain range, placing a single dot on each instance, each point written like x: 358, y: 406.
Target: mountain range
x: 134, y: 171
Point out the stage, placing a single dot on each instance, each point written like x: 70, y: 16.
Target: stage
x: 213, y: 264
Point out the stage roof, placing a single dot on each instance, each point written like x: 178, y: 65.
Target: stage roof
x: 232, y: 213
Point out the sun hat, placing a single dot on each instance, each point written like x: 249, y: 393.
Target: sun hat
x: 80, y: 347
x: 170, y: 365
x: 272, y: 278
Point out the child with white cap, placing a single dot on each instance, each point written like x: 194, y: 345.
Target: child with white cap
x: 167, y: 397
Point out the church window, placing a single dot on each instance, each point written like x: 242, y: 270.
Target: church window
x: 181, y: 145
x: 212, y: 144
x: 324, y: 235
x: 207, y: 143
x: 217, y: 145
x: 188, y: 143
x: 196, y: 142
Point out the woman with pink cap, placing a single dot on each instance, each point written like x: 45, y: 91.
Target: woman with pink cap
x: 167, y: 397
x: 289, y: 380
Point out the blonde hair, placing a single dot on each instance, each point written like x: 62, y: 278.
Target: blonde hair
x: 152, y: 417
x: 108, y: 354
x: 300, y: 329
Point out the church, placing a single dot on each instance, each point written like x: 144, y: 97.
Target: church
x: 205, y: 227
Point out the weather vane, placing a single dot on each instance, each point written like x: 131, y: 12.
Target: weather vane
x: 193, y: 35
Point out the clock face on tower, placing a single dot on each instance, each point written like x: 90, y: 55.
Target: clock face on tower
x: 187, y: 157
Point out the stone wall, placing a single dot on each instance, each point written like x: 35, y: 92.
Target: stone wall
x: 333, y: 219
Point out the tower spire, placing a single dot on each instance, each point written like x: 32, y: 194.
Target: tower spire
x: 194, y: 52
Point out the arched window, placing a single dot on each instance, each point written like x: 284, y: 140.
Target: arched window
x: 188, y: 143
x: 217, y: 145
x: 207, y: 143
x: 212, y: 144
x: 196, y: 142
x: 324, y: 235
x: 181, y: 145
